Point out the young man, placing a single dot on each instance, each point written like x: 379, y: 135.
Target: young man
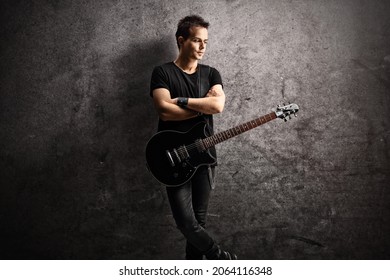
x: 185, y: 93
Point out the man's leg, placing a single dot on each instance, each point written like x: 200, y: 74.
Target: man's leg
x: 190, y: 217
x: 183, y: 200
x: 201, y: 188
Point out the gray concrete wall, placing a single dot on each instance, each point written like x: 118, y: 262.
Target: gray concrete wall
x: 75, y: 116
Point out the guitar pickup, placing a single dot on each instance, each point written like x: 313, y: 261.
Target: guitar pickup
x: 170, y: 159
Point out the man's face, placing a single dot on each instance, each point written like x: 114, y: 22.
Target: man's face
x: 195, y: 45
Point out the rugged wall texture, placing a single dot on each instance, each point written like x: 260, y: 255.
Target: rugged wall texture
x: 75, y: 116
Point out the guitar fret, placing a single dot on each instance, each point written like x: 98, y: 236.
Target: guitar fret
x: 224, y: 136
x: 211, y: 141
x: 253, y: 124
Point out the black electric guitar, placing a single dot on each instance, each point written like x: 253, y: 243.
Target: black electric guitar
x: 173, y: 157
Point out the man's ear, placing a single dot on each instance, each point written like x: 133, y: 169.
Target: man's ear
x: 180, y: 40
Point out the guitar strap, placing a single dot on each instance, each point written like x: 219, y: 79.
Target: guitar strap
x: 203, y: 81
x: 204, y: 86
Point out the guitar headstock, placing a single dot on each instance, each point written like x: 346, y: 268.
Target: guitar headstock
x: 286, y: 111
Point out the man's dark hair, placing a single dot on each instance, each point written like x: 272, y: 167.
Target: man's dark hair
x: 183, y: 28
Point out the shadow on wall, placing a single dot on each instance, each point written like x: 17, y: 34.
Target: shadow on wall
x: 142, y: 235
x: 130, y: 225
x: 90, y: 196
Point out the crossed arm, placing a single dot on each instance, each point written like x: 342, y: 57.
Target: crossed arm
x: 168, y: 110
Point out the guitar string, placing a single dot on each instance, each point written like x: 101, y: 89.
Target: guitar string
x: 231, y: 132
x: 215, y: 139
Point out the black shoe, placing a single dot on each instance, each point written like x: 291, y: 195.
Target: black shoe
x: 215, y: 253
x: 224, y: 255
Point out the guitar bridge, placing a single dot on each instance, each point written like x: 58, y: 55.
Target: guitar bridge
x: 182, y: 150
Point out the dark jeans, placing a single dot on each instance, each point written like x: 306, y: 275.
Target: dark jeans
x: 189, y: 204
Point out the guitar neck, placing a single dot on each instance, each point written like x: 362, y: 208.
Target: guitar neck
x: 237, y: 130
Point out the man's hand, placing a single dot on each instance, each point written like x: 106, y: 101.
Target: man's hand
x: 212, y: 103
x: 213, y: 92
x: 167, y: 108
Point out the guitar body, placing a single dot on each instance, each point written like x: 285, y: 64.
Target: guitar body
x: 173, y: 157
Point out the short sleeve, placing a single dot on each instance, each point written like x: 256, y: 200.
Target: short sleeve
x: 215, y: 78
x: 159, y: 80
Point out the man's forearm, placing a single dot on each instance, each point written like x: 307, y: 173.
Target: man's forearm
x: 173, y: 112
x: 206, y: 105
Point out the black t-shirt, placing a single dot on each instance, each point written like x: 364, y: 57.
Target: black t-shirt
x: 181, y: 84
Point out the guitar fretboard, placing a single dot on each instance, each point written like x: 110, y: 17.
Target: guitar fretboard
x: 227, y: 134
